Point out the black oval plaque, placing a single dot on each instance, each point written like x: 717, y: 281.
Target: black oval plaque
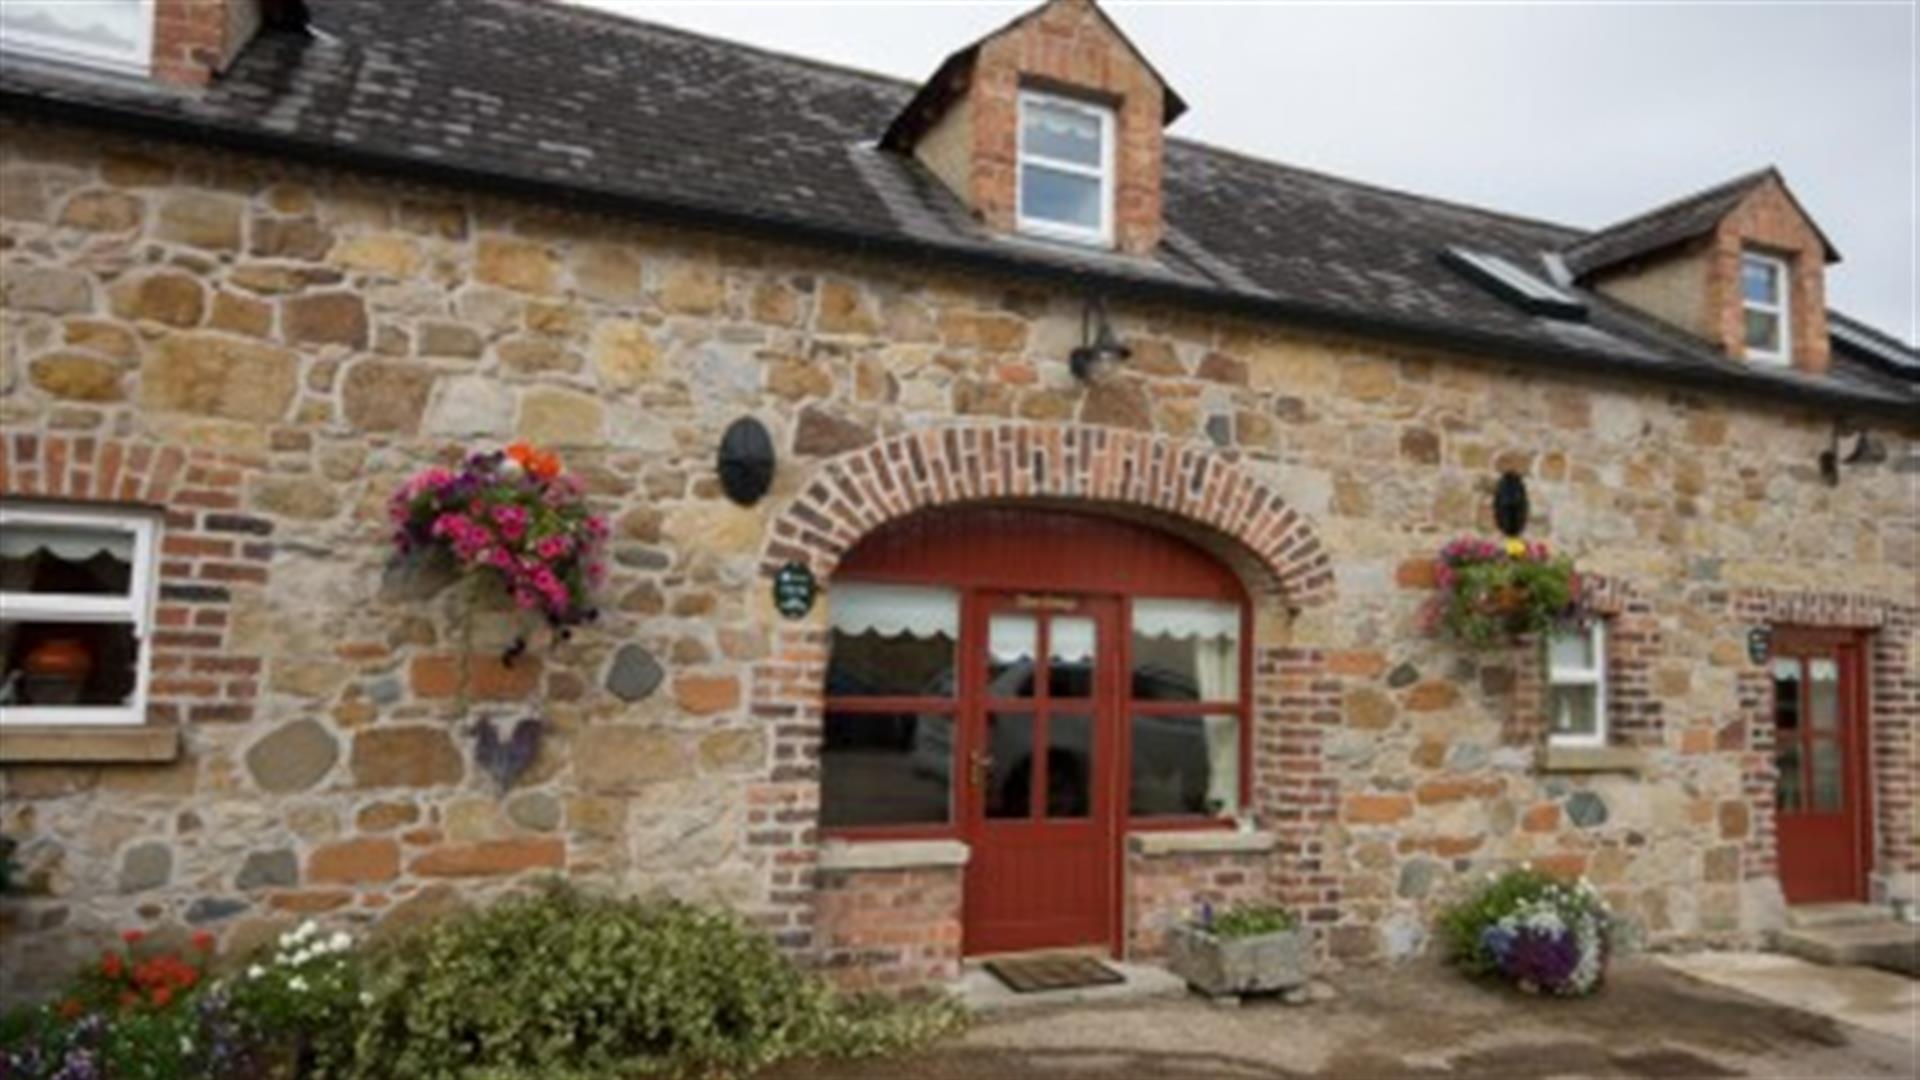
x: 746, y: 461
x: 794, y: 590
x: 1510, y: 504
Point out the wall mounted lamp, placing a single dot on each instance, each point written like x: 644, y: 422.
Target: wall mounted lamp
x: 1097, y: 341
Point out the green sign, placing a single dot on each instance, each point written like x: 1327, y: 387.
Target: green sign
x: 794, y: 590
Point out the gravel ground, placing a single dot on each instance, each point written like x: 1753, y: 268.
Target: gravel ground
x: 1413, y: 1021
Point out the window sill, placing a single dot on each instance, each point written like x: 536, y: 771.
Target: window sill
x: 149, y: 743
x: 842, y: 855
x: 1591, y: 759
x: 1201, y: 842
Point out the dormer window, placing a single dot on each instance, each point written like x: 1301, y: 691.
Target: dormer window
x: 1763, y: 297
x: 1066, y: 169
x: 112, y: 35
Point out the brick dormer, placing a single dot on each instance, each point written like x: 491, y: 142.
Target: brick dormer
x: 1743, y: 251
x: 182, y: 42
x: 1067, y: 60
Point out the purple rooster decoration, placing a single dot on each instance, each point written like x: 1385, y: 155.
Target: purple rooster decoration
x: 505, y: 761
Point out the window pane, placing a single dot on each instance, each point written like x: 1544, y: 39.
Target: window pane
x: 892, y: 641
x: 1760, y: 281
x: 1012, y: 643
x: 1008, y: 789
x: 1571, y: 650
x: 1070, y: 659
x: 1061, y: 133
x: 1069, y: 765
x: 1186, y: 650
x: 1786, y: 694
x: 1185, y: 765
x: 36, y: 558
x: 1829, y: 786
x: 1823, y: 695
x: 1763, y: 330
x: 1062, y: 198
x: 1573, y: 711
x: 886, y: 769
x: 67, y: 664
x: 1787, y: 785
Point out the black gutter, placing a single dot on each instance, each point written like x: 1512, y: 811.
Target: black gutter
x: 1419, y: 335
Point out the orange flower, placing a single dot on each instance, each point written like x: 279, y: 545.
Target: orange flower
x: 71, y: 1008
x: 541, y: 464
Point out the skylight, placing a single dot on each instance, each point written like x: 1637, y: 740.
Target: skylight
x: 1514, y: 285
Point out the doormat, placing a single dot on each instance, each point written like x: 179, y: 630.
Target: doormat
x: 1036, y: 974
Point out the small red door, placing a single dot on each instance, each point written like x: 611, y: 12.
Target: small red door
x: 1822, y: 784
x: 1040, y: 748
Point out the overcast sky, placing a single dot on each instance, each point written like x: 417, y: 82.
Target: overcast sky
x: 1582, y: 113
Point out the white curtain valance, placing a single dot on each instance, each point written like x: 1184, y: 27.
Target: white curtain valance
x: 1012, y: 638
x: 891, y: 610
x: 73, y: 545
x: 1071, y: 640
x: 1186, y: 619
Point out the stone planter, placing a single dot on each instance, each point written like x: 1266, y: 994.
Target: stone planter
x: 1219, y: 967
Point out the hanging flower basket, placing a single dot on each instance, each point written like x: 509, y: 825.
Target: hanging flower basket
x: 511, y: 517
x: 1494, y: 592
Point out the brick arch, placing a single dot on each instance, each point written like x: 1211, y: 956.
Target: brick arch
x: 1183, y: 482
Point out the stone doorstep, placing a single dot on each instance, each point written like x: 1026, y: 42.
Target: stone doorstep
x: 981, y: 992
x: 1888, y: 945
x: 1818, y: 916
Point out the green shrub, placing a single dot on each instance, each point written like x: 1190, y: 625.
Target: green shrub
x: 561, y: 982
x: 1251, y: 920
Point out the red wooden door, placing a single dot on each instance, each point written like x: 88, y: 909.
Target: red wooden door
x: 1822, y: 785
x: 1040, y: 748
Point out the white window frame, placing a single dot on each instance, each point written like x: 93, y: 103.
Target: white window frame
x: 136, y: 607
x: 1103, y: 235
x: 1595, y: 676
x: 22, y: 41
x: 1780, y: 309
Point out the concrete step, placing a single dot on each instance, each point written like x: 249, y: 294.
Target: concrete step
x: 1816, y: 916
x: 1888, y: 945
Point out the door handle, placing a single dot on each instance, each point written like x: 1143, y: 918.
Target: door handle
x: 979, y: 762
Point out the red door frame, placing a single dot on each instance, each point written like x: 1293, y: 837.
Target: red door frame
x: 1827, y: 856
x: 1028, y: 856
x: 988, y: 550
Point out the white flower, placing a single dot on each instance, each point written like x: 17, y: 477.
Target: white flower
x: 186, y: 1045
x: 297, y: 984
x: 339, y: 942
x: 366, y: 997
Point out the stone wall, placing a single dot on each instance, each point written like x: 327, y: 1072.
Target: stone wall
x: 295, y: 342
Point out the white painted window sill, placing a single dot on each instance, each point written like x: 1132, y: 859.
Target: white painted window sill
x: 1201, y: 842
x: 845, y: 855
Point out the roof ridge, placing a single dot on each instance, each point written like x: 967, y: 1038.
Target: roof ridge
x: 574, y: 9
x: 1750, y: 177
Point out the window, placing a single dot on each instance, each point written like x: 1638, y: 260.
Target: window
x: 113, y: 34
x: 886, y: 756
x: 1577, y: 685
x: 76, y: 609
x: 1187, y: 709
x: 1763, y: 297
x: 1066, y: 169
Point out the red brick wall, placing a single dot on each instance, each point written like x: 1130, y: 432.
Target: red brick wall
x: 194, y: 39
x: 889, y: 929
x: 208, y: 549
x: 1166, y: 890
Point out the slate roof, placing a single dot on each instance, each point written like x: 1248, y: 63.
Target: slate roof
x: 1676, y: 222
x: 604, y: 113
